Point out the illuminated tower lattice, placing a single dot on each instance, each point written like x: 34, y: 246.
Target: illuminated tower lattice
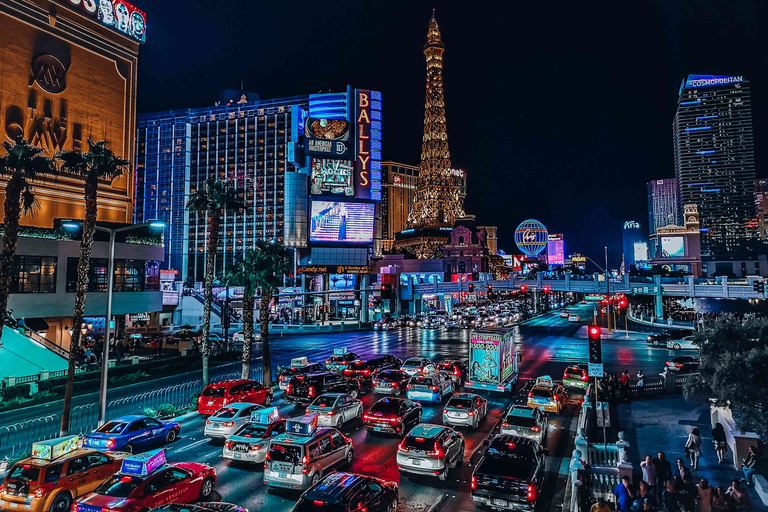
x: 437, y: 202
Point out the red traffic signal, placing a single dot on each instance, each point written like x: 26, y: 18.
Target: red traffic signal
x: 383, y: 287
x: 471, y: 287
x: 595, y: 349
x: 594, y: 331
x: 524, y: 288
x: 546, y: 289
x: 490, y: 287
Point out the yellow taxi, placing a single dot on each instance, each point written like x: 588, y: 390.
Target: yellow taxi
x: 57, y: 472
x: 548, y: 395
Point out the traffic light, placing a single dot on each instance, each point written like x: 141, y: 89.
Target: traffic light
x: 386, y: 291
x: 471, y: 287
x: 523, y: 288
x: 595, y: 348
x: 546, y: 289
x: 622, y: 303
x: 490, y: 288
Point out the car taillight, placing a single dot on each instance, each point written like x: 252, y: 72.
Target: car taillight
x: 39, y: 492
x: 267, y: 457
x: 330, y: 413
x: 584, y: 377
x: 530, y: 493
x: 281, y: 378
x: 394, y: 384
x: 348, y: 371
x: 228, y: 444
x: 505, y: 424
x: 111, y: 442
x: 311, y: 391
x: 470, y: 413
x: 207, y: 422
x: 456, y: 372
x: 255, y: 447
x: 401, y: 447
x: 305, y: 460
x: 74, y: 507
x: 530, y: 394
x: 474, y: 483
x: 535, y: 428
x: 420, y: 370
x: 409, y: 386
x: 437, y: 451
x: 290, y: 388
x: 228, y: 424
x: 318, y: 503
x: 434, y: 388
x: 200, y: 399
x: 2, y: 488
x: 366, y: 372
x: 679, y: 365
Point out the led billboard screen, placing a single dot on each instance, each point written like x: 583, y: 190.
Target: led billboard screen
x: 672, y: 247
x: 327, y: 137
x: 116, y: 14
x: 555, y: 252
x: 336, y: 221
x: 331, y: 176
x: 641, y: 252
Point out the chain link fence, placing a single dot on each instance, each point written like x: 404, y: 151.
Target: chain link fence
x: 16, y: 438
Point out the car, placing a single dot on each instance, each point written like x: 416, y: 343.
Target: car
x: 299, y: 366
x: 146, y: 481
x: 364, y: 369
x: 457, y: 370
x: 684, y: 364
x: 131, y: 434
x: 529, y: 422
x: 548, y: 395
x: 340, y: 360
x: 659, y: 340
x: 583, y: 302
x: 215, y: 396
x: 432, y: 387
x: 390, y: 382
x: 392, y: 415
x: 564, y: 313
x: 682, y: 344
x: 465, y: 410
x: 509, y: 475
x: 303, y: 389
x: 200, y: 507
x: 342, y: 492
x: 214, y: 338
x: 300, y: 458
x: 250, y: 442
x: 430, y: 450
x: 574, y: 317
x: 227, y: 420
x: 576, y: 376
x: 335, y: 409
x: 418, y: 366
x: 57, y: 473
x: 239, y: 336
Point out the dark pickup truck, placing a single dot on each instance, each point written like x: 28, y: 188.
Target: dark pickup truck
x: 510, y: 474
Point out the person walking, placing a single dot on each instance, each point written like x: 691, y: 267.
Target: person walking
x: 693, y: 448
x: 663, y: 473
x: 749, y: 468
x: 624, y: 385
x: 640, y: 383
x: 650, y: 475
x: 705, y: 496
x: 718, y: 438
x: 682, y: 472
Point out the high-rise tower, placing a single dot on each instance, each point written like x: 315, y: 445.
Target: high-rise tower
x: 437, y: 203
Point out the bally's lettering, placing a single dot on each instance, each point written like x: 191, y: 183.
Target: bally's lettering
x: 363, y: 120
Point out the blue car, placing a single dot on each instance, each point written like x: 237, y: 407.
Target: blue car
x: 132, y: 434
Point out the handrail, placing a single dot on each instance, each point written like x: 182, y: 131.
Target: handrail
x: 48, y: 344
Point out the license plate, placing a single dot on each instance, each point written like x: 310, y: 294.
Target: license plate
x: 501, y: 503
x: 237, y: 456
x: 416, y: 462
x: 210, y: 403
x: 282, y: 475
x: 541, y: 400
x: 377, y: 429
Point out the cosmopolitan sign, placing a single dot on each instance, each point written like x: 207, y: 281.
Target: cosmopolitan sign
x: 116, y: 14
x: 368, y: 148
x: 694, y: 81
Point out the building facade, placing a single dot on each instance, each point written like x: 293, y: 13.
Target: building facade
x: 761, y: 207
x: 630, y: 235
x: 714, y: 160
x: 663, y: 207
x: 678, y: 248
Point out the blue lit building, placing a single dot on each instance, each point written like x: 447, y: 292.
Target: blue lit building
x: 715, y: 160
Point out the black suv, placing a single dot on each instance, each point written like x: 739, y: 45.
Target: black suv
x: 510, y: 474
x: 349, y: 492
x: 661, y: 339
x: 303, y: 389
x: 365, y: 369
x: 284, y: 376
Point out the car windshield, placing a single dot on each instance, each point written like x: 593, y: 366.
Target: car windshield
x: 542, y: 392
x: 324, y: 401
x: 386, y: 406
x: 425, y: 444
x: 119, y: 486
x: 414, y: 361
x: 285, y: 453
x: 460, y: 403
x: 336, y: 359
x: 573, y: 371
x: 24, y: 472
x: 520, y: 421
x: 390, y: 375
x: 226, y: 413
x: 112, y: 427
x: 310, y: 505
x: 214, y: 392
x: 422, y: 381
x: 503, y: 466
x: 252, y: 430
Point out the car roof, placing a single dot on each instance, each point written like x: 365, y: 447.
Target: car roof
x: 545, y: 381
x: 45, y: 462
x: 506, y: 439
x: 335, y: 395
x: 521, y: 412
x: 337, y: 487
x: 464, y: 395
x: 390, y: 399
x: 228, y: 383
x: 321, y: 373
x: 129, y: 417
x: 238, y: 405
x: 427, y: 430
x: 291, y: 438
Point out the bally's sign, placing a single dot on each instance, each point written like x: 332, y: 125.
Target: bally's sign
x: 368, y: 149
x: 116, y: 14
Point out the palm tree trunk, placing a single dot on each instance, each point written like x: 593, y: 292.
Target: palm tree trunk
x: 248, y: 303
x: 210, y: 270
x: 83, y: 267
x: 12, y: 211
x: 266, y: 298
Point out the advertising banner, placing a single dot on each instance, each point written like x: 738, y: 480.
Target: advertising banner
x: 116, y: 14
x: 555, y: 250
x: 331, y: 177
x: 672, y: 247
x: 327, y: 137
x: 368, y: 147
x: 342, y: 222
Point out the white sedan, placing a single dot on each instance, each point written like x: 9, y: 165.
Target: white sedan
x: 335, y: 409
x: 239, y: 336
x: 683, y: 344
x: 574, y: 318
x: 227, y: 420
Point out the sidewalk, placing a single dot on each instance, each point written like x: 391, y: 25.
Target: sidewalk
x: 661, y: 424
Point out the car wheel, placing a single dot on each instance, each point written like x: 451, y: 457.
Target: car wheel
x: 398, y: 391
x: 655, y: 343
x: 393, y: 506
x: 354, y: 393
x: 360, y: 413
x: 206, y: 489
x: 170, y: 436
x: 268, y: 400
x: 316, y: 478
x: 350, y: 456
x: 676, y: 346
x: 62, y: 503
x: 128, y: 448
x: 444, y: 475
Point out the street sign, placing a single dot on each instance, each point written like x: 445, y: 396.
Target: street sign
x: 595, y: 370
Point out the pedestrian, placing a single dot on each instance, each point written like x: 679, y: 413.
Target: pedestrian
x: 624, y: 384
x: 601, y: 506
x: 687, y: 494
x: 650, y: 474
x: 739, y: 497
x: 681, y: 472
x: 644, y: 496
x: 718, y: 438
x: 749, y: 468
x: 669, y: 499
x: 640, y: 383
x: 663, y: 473
x: 704, y: 503
x: 720, y: 501
x: 624, y: 495
x: 693, y: 447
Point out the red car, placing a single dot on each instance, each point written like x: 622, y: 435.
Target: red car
x: 216, y: 396
x: 183, y: 482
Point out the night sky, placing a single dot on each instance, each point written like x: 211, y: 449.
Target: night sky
x: 558, y: 112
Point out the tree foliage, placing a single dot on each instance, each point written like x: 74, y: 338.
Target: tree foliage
x: 734, y: 365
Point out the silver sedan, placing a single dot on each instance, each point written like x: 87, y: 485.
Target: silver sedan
x: 335, y: 409
x: 227, y: 420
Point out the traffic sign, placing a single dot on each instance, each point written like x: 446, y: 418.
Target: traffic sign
x: 595, y: 370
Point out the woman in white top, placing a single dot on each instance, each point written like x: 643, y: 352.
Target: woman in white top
x: 704, y: 500
x: 693, y: 446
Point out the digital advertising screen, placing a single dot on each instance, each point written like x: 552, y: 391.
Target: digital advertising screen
x: 342, y: 282
x: 641, y: 252
x: 672, y: 247
x: 331, y: 176
x: 327, y: 137
x: 555, y: 252
x: 341, y: 222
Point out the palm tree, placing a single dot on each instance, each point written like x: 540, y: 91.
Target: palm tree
x: 272, y: 262
x: 243, y: 272
x: 97, y: 165
x: 21, y: 166
x: 212, y: 198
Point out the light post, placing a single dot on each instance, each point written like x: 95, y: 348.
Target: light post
x: 74, y: 225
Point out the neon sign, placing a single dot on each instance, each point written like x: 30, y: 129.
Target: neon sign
x: 694, y: 81
x: 116, y: 14
x: 368, y: 148
x: 631, y: 224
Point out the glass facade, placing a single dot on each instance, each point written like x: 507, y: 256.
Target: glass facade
x: 34, y: 274
x: 130, y: 275
x: 663, y: 206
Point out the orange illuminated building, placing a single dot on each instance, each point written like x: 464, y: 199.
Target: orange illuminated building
x: 65, y: 77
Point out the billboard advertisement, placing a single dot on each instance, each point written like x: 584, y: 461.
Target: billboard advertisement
x: 641, y: 252
x: 341, y: 222
x: 116, y: 14
x: 327, y: 137
x: 492, y: 359
x: 368, y: 147
x: 556, y: 249
x: 672, y: 247
x: 341, y: 282
x: 331, y: 176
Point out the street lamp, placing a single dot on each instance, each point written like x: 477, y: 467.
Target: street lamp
x: 75, y: 225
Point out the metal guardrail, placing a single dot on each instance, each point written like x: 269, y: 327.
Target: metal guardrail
x: 16, y: 438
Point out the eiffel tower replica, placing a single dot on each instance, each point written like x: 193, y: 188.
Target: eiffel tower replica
x: 436, y: 205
